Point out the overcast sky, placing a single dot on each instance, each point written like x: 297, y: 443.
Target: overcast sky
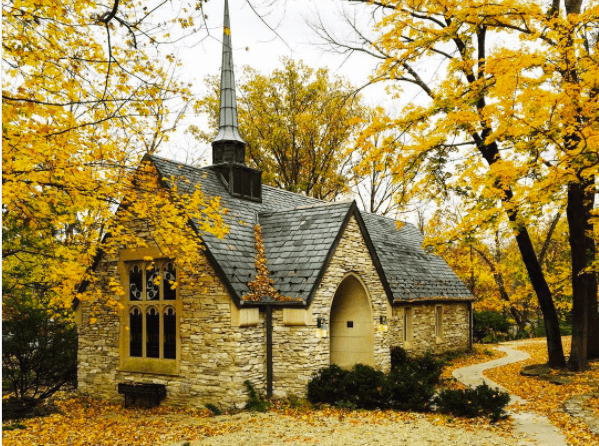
x: 256, y: 45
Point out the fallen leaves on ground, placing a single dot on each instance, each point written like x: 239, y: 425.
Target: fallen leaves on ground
x: 86, y: 421
x: 547, y: 398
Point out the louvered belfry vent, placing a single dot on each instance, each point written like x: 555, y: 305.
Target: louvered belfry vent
x: 241, y: 181
x: 228, y: 148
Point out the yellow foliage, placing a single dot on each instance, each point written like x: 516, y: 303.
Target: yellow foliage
x: 84, y: 97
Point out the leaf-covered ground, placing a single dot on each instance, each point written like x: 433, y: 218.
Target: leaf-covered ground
x: 84, y: 421
x: 548, y: 399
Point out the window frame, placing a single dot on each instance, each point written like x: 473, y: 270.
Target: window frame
x: 439, y: 331
x: 408, y: 327
x: 144, y: 363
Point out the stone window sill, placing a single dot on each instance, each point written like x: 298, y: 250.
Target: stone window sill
x: 150, y: 366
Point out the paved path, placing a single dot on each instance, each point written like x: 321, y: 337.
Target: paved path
x: 537, y: 428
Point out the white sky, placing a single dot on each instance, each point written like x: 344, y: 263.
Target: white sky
x: 256, y: 45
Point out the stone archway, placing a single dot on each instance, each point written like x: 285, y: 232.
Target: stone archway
x: 351, y: 325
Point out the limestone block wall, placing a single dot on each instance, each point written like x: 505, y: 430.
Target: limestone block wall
x: 215, y: 357
x: 456, y: 327
x: 298, y: 351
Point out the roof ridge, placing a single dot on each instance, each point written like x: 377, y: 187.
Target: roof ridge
x: 312, y: 206
x: 293, y: 193
x: 317, y: 201
x: 166, y: 160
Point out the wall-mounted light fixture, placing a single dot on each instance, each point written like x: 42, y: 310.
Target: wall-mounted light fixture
x: 323, y: 327
x: 383, y: 325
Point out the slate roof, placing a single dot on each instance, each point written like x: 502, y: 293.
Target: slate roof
x: 300, y: 234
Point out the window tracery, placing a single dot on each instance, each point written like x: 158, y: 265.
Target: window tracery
x: 152, y: 315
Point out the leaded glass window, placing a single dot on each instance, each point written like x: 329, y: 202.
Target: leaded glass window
x: 135, y: 282
x: 152, y: 333
x: 170, y: 333
x: 152, y: 284
x: 135, y: 332
x: 152, y: 320
x: 170, y: 278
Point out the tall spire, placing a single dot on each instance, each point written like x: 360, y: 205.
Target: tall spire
x: 228, y: 146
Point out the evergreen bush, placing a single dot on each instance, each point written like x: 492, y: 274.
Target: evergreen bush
x: 490, y: 327
x: 410, y: 385
x: 406, y: 389
x: 364, y: 387
x: 256, y: 402
x: 399, y: 356
x: 327, y: 386
x: 470, y: 403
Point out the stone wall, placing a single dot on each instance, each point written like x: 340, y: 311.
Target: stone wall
x: 299, y: 352
x: 456, y: 327
x: 215, y: 357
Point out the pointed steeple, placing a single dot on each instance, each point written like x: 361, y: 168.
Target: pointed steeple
x: 228, y: 146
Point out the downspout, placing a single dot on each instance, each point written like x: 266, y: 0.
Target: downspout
x: 268, y: 351
x: 470, y: 326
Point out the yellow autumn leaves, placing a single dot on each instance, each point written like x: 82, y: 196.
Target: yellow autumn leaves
x: 85, y: 95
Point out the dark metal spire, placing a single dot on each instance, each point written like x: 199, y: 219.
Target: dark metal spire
x: 228, y: 146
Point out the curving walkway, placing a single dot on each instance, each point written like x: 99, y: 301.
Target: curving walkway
x: 536, y: 427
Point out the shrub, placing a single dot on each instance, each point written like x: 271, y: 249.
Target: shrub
x: 214, y: 409
x: 327, y: 386
x: 257, y: 402
x: 490, y: 326
x: 471, y: 403
x: 408, y: 389
x: 39, y: 352
x: 363, y: 387
x: 399, y: 356
x: 428, y: 367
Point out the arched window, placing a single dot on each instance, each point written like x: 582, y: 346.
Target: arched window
x: 135, y: 332
x: 152, y: 333
x: 169, y: 318
x: 152, y: 314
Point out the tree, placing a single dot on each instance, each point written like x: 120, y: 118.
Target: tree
x: 300, y: 125
x: 510, y: 124
x: 87, y: 90
x: 39, y: 354
x: 372, y: 169
x: 490, y: 264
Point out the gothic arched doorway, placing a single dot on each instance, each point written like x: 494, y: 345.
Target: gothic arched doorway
x: 352, y: 327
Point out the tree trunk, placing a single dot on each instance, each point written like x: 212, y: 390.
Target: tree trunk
x: 555, y: 350
x: 593, y: 342
x: 584, y: 283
